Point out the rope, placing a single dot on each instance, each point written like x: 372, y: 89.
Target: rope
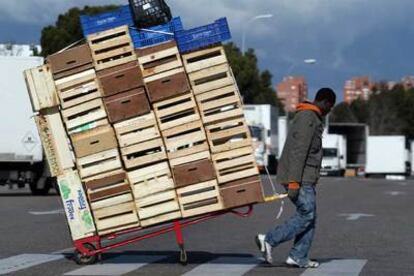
x: 152, y: 31
x: 282, y: 203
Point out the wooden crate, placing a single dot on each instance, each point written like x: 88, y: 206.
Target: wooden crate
x: 158, y: 208
x: 77, y: 210
x: 71, y: 61
x: 199, y: 199
x: 242, y: 192
x: 199, y: 60
x: 167, y: 85
x: 176, y: 111
x: 111, y: 48
x: 94, y: 141
x: 211, y: 78
x: 108, y: 186
x: 137, y: 130
x: 227, y: 135
x: 77, y: 89
x: 235, y: 164
x: 85, y: 116
x: 190, y: 158
x: 185, y: 140
x: 144, y: 153
x: 221, y: 104
x: 115, y: 217
x: 151, y: 180
x: 91, y: 167
x: 55, y: 142
x: 193, y: 173
x: 120, y: 78
x: 159, y: 58
x: 126, y: 105
x: 41, y: 87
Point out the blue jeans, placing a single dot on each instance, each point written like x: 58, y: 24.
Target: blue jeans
x: 301, y: 226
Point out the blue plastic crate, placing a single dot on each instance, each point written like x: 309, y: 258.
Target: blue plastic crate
x: 200, y: 37
x: 147, y: 38
x: 106, y: 21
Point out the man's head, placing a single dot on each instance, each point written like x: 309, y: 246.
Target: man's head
x: 325, y: 99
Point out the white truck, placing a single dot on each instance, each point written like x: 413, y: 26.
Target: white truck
x: 263, y: 124
x: 21, y: 152
x: 334, y: 155
x: 388, y: 155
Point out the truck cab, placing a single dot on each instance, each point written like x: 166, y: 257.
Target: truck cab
x: 334, y: 155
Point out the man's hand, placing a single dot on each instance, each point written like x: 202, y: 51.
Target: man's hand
x: 293, y: 190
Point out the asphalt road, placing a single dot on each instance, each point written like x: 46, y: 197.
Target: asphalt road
x: 365, y: 227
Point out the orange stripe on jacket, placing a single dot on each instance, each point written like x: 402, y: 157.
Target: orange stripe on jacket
x: 308, y: 106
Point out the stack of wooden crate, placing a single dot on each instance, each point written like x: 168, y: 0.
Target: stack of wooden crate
x: 221, y: 110
x: 138, y: 137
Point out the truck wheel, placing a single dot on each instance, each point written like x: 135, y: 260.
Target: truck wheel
x: 37, y: 188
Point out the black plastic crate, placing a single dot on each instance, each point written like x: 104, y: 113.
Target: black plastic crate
x: 149, y: 13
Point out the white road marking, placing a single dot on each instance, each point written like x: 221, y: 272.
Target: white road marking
x: 229, y: 266
x: 355, y: 216
x: 337, y: 267
x: 117, y: 266
x: 394, y: 193
x: 24, y: 261
x: 43, y: 213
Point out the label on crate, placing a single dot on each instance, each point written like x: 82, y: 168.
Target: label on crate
x: 84, y: 128
x: 147, y: 6
x: 76, y: 206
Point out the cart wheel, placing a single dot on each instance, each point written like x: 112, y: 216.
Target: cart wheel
x: 183, y: 257
x: 81, y: 259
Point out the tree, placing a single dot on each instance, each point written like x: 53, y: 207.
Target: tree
x: 255, y: 86
x: 67, y: 29
x: 387, y: 112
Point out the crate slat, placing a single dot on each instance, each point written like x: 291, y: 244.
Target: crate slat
x: 199, y: 199
x: 228, y: 135
x: 77, y: 89
x: 176, y: 111
x: 111, y: 48
x: 41, y: 87
x: 144, y: 153
x: 100, y: 163
x: 137, y: 130
x: 202, y: 59
x: 235, y: 164
x: 211, y: 78
x: 220, y: 104
x: 160, y: 58
x: 55, y: 142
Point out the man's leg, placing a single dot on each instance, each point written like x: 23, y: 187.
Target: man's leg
x: 303, y: 241
x: 304, y: 217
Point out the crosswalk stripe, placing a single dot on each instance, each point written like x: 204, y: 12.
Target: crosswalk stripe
x: 24, y: 261
x: 229, y: 266
x: 117, y: 266
x: 337, y: 267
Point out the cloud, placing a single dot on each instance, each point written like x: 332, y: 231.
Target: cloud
x: 339, y: 33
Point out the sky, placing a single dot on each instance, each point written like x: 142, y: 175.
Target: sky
x: 347, y: 37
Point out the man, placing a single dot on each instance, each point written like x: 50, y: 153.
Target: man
x: 298, y: 171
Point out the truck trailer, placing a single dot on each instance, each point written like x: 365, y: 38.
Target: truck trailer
x: 21, y: 152
x: 388, y: 155
x: 263, y: 124
x: 356, y: 136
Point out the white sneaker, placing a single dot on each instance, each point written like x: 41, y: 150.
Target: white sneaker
x: 310, y: 264
x: 265, y: 248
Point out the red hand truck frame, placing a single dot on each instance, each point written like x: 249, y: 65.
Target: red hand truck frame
x: 89, y: 249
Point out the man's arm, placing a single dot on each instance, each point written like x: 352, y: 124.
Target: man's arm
x: 303, y: 130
